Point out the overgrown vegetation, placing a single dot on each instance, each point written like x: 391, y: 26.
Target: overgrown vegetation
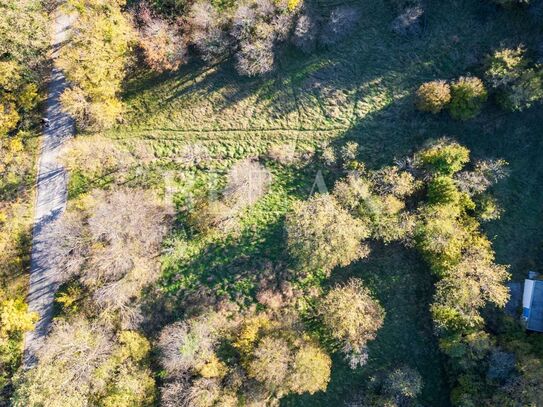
x: 23, y: 42
x: 272, y: 222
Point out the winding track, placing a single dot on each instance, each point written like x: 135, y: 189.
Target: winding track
x: 50, y: 202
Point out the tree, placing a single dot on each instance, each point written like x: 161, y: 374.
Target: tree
x: 383, y: 212
x: 310, y: 371
x: 351, y: 315
x: 306, y: 34
x: 517, y: 82
x: 187, y: 345
x: 404, y: 383
x: 255, y: 58
x: 23, y: 32
x: 433, y: 96
x: 106, y: 249
x: 443, y: 157
x: 268, y: 357
x: 342, y: 21
x: 473, y: 283
x: 271, y: 360
x: 94, y: 60
x: 15, y: 320
x: 258, y: 27
x: 443, y: 190
x: 322, y: 235
x: 83, y: 363
x: 163, y: 47
x: 207, y: 33
x: 468, y: 94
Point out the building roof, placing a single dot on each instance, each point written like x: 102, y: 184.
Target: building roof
x: 532, y: 304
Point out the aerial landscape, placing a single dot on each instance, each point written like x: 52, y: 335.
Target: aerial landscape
x: 284, y: 203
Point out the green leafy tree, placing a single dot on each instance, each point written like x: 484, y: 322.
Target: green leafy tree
x: 443, y: 157
x: 468, y: 94
x: 323, y: 235
x: 518, y: 83
x: 351, y: 315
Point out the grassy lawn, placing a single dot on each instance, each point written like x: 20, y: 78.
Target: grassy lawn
x: 360, y: 90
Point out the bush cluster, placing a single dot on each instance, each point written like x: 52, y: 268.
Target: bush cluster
x: 517, y: 81
x: 464, y: 97
x: 268, y: 358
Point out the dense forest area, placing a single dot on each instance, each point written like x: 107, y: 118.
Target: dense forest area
x: 276, y: 202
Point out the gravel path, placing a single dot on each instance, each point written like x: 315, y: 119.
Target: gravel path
x: 51, y: 200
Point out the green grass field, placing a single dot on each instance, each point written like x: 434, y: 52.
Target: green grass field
x: 360, y: 90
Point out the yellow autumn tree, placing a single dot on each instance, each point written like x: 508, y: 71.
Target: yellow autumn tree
x: 94, y: 60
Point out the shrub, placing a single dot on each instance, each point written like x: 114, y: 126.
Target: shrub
x: 305, y: 34
x: 351, y: 314
x: 349, y: 151
x: 433, y: 96
x: 488, y: 209
x: 171, y: 7
x: 409, y: 22
x: 329, y: 155
x: 342, y: 22
x: 247, y: 182
x: 284, y: 154
x: 404, y: 382
x: 9, y: 117
x: 505, y: 66
x: 509, y: 3
x: 322, y: 235
x: 467, y: 97
x: 523, y: 93
x: 207, y: 216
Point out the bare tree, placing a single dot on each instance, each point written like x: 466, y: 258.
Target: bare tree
x: 342, y: 22
x: 306, y: 33
x: 255, y: 58
x: 206, y: 32
x: 71, y: 248
x: 164, y: 48
x: 247, y: 182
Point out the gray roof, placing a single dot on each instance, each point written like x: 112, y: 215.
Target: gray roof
x: 535, y: 321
